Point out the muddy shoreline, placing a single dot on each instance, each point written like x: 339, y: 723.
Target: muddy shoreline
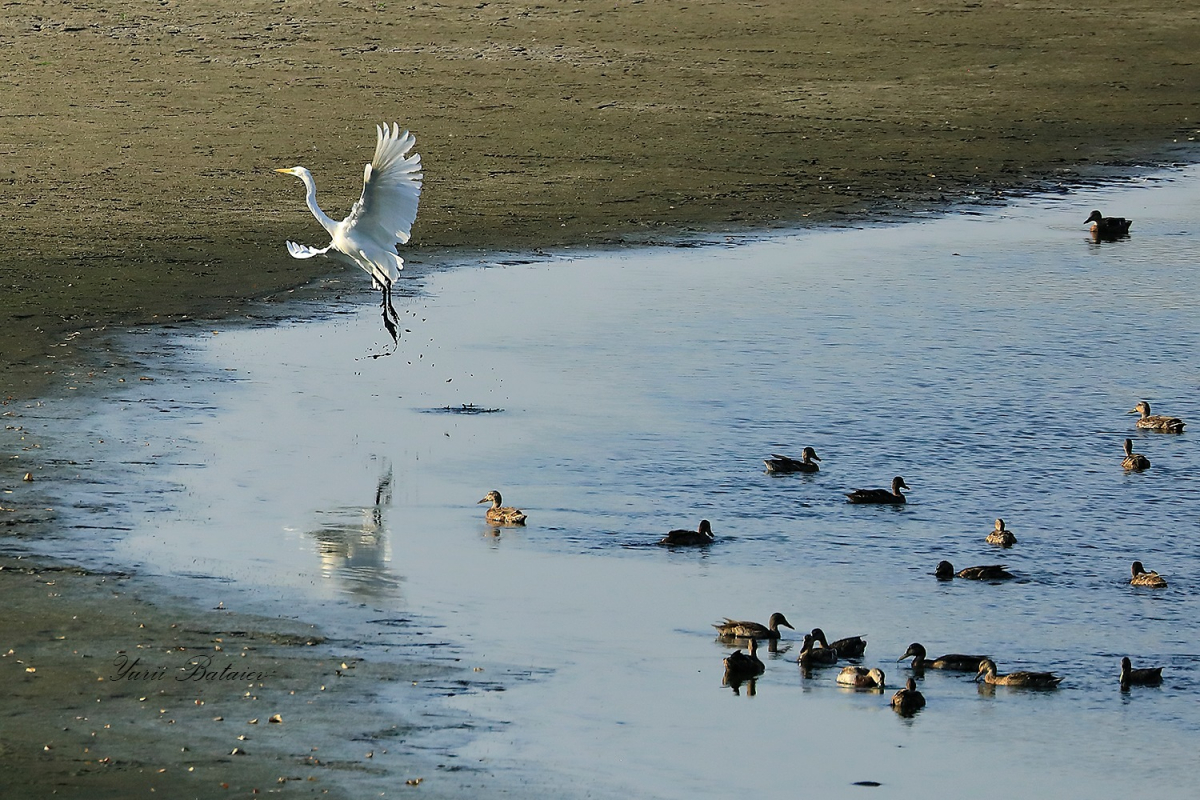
x: 137, y: 147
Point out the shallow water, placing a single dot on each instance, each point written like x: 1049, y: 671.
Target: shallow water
x: 986, y: 356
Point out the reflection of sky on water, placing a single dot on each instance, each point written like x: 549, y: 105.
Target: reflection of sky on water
x: 989, y: 359
x: 352, y: 543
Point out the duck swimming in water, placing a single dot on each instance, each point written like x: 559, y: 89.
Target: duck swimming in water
x: 951, y: 661
x: 811, y: 656
x: 703, y: 535
x: 1028, y: 680
x: 861, y: 677
x: 1134, y: 462
x: 808, y: 462
x: 1143, y: 578
x: 1108, y: 227
x: 1001, y: 536
x: 1156, y: 422
x: 850, y: 647
x: 1146, y: 676
x: 893, y: 497
x: 908, y: 700
x: 744, y: 629
x: 740, y: 666
x: 501, y: 515
x: 987, y: 572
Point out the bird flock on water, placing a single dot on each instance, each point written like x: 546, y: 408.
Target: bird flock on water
x: 383, y: 217
x: 816, y: 652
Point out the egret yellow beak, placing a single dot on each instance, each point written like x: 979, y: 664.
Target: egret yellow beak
x: 285, y: 171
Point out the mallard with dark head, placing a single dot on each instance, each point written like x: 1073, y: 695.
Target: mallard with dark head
x: 861, y: 677
x: 741, y: 666
x: 894, y: 497
x: 1001, y: 535
x: 956, y: 662
x: 808, y: 462
x: 850, y: 647
x: 744, y: 629
x: 1108, y: 227
x: 1134, y: 462
x: 1028, y: 680
x: 1143, y: 578
x: 1156, y: 422
x: 908, y: 700
x: 812, y: 656
x: 1144, y: 676
x: 987, y: 572
x: 702, y: 535
x: 501, y: 515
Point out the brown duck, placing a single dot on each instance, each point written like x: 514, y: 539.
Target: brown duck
x: 1145, y: 676
x: 1143, y: 578
x: 951, y: 661
x: 908, y: 700
x: 808, y: 462
x: 1001, y: 535
x: 744, y: 629
x: 811, y: 656
x: 1134, y: 462
x: 501, y: 515
x: 882, y: 496
x: 850, y: 647
x: 740, y: 666
x: 702, y: 535
x: 1028, y: 680
x: 1156, y: 422
x: 988, y: 572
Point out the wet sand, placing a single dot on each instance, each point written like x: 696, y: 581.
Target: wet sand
x: 137, y: 142
x: 108, y: 695
x: 137, y: 146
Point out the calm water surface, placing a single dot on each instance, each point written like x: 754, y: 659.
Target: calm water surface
x: 988, y: 357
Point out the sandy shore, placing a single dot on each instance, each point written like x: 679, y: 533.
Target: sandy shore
x: 138, y: 142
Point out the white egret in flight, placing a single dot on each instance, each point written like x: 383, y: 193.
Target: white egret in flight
x: 382, y: 217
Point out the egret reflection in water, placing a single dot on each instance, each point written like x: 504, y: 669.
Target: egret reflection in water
x: 352, y: 545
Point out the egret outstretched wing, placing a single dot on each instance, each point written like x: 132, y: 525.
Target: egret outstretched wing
x: 391, y: 190
x: 304, y: 251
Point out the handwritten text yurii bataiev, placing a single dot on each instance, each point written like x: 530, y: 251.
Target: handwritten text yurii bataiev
x: 199, y: 669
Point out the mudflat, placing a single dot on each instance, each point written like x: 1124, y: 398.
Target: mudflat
x: 137, y: 139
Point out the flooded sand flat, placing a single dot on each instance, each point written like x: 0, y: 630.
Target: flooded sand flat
x: 988, y: 356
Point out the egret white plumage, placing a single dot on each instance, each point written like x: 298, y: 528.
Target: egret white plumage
x: 383, y: 216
